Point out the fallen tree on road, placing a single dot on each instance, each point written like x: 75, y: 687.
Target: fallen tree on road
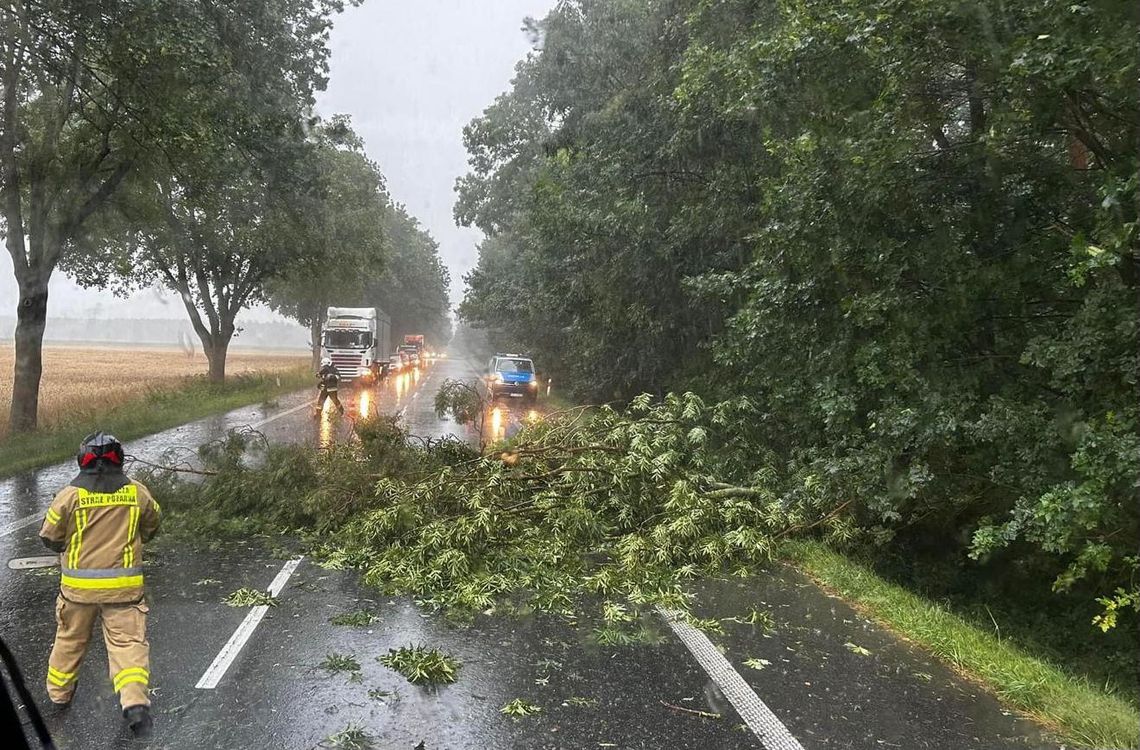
x: 622, y: 505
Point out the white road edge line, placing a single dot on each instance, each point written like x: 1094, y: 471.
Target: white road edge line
x: 767, y: 727
x: 19, y: 523
x: 237, y: 641
x: 285, y: 413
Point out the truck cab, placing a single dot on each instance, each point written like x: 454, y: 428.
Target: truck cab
x: 356, y: 339
x: 411, y: 353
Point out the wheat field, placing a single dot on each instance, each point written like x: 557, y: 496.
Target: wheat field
x: 81, y: 380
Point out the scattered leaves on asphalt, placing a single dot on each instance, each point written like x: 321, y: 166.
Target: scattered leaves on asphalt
x: 351, y: 737
x: 754, y: 617
x: 384, y: 696
x: 335, y: 559
x: 856, y: 649
x: 580, y: 701
x: 421, y: 665
x: 520, y: 707
x: 247, y: 597
x: 358, y: 619
x: 756, y: 663
x: 340, y: 663
x: 207, y: 582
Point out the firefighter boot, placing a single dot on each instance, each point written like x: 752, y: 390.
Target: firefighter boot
x: 138, y: 719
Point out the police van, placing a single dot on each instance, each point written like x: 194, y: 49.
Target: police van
x: 512, y: 375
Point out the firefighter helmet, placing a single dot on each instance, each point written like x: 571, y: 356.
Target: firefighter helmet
x: 326, y: 362
x: 100, y: 447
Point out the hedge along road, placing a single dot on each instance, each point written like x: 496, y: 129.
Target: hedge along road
x: 820, y: 676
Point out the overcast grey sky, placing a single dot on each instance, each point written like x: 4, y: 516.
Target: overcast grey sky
x: 411, y: 74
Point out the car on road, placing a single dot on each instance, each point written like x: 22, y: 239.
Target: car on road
x: 395, y: 363
x: 512, y: 375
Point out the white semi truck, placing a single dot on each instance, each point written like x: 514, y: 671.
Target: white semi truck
x: 357, y: 340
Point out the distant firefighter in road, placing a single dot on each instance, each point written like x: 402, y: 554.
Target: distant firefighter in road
x: 329, y: 378
x: 98, y: 524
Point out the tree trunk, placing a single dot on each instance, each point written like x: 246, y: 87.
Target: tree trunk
x: 216, y: 345
x: 31, y: 317
x: 315, y: 340
x: 216, y: 348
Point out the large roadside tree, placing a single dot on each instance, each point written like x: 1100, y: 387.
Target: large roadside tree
x: 214, y: 216
x: 214, y: 239
x: 92, y: 91
x: 87, y: 89
x: 907, y: 231
x: 595, y: 211
x: 346, y: 229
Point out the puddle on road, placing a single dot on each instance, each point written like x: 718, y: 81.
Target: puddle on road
x: 364, y: 403
x: 325, y: 437
x: 504, y: 421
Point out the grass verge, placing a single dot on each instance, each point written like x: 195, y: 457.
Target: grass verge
x: 555, y: 401
x: 1072, y: 707
x: 150, y: 412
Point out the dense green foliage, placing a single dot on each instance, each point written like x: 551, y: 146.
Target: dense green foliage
x: 906, y: 231
x: 623, y: 505
x: 364, y: 250
x: 255, y: 191
x: 172, y: 144
x: 413, y: 287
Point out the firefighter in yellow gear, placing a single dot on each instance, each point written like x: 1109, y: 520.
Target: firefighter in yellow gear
x: 98, y: 524
x: 329, y: 379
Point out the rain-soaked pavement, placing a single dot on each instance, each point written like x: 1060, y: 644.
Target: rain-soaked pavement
x: 834, y: 679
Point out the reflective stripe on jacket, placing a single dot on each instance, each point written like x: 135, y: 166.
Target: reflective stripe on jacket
x: 102, y: 535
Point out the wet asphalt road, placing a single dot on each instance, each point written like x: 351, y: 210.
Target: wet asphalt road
x: 640, y: 696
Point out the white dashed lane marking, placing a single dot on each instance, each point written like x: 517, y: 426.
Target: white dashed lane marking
x: 217, y: 669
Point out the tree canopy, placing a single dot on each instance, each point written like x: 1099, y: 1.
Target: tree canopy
x: 346, y: 233
x: 179, y: 101
x: 907, y: 232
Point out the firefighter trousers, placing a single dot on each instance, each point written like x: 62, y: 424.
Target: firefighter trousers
x: 128, y: 652
x: 327, y: 395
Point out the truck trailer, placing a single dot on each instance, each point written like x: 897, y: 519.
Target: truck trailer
x: 357, y: 340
